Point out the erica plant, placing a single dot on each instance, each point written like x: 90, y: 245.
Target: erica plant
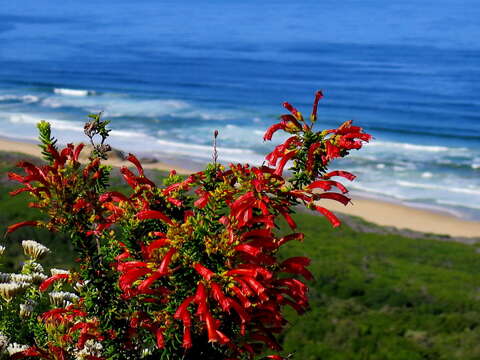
x: 190, y: 269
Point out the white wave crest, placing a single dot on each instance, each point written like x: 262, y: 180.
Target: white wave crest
x: 73, y: 92
x: 57, y: 124
x: 28, y: 99
x: 414, y: 147
x: 438, y: 187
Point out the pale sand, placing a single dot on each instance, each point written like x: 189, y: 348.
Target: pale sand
x: 405, y: 217
x: 375, y: 211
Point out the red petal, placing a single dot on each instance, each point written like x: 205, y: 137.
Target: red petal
x: 46, y: 284
x: 154, y: 214
x: 329, y: 215
x: 341, y: 173
x: 283, y: 162
x: 318, y: 96
x: 334, y: 196
x: 272, y: 129
x: 248, y: 249
x: 77, y: 151
x: 135, y: 162
x: 160, y: 339
x: 207, y: 274
x: 16, y: 226
x: 211, y: 328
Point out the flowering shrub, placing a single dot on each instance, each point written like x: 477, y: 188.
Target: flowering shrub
x: 188, y: 270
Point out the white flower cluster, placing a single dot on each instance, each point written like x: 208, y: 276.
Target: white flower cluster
x: 9, y: 290
x: 26, y: 309
x: 59, y: 271
x: 3, y: 343
x: 14, y: 348
x: 62, y: 298
x: 34, y: 250
x: 4, y: 277
x: 91, y: 348
x: 32, y: 266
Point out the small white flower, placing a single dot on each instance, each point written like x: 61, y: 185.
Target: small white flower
x: 80, y: 285
x: 91, y: 348
x: 62, y: 298
x: 26, y: 309
x: 2, y: 250
x: 3, y: 342
x: 59, y: 271
x: 9, y: 290
x: 31, y: 266
x: 34, y: 250
x: 21, y: 278
x: 14, y: 348
x: 38, y: 278
x: 4, y: 277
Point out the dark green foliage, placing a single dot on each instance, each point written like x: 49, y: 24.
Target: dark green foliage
x: 46, y: 139
x: 375, y: 297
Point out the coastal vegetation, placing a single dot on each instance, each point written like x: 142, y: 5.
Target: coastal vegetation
x: 374, y: 296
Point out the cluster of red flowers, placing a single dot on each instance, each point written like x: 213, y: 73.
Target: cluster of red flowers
x: 200, y: 256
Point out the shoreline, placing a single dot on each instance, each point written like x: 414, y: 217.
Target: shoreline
x: 377, y: 211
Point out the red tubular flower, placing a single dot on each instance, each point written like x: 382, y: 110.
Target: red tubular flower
x: 318, y: 97
x: 46, y: 284
x: 183, y: 307
x: 77, y: 151
x: 160, y: 338
x: 240, y: 296
x: 207, y: 274
x: 289, y: 219
x: 132, y: 158
x: 294, y: 111
x: 187, y: 337
x: 248, y: 249
x: 202, y: 200
x: 294, y: 236
x: 290, y: 155
x: 329, y: 215
x: 211, y: 328
x: 21, y: 224
x: 296, y: 265
x: 200, y: 298
x: 113, y: 196
x: 127, y: 279
x: 334, y: 196
x: 272, y: 130
x: 175, y: 202
x: 154, y: 214
x: 345, y: 174
x: 327, y: 185
x: 220, y: 297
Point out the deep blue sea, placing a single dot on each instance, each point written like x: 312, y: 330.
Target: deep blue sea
x: 167, y: 73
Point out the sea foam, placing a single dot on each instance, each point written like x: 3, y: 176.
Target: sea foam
x: 73, y: 92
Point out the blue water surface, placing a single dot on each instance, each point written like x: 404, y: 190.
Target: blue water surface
x: 167, y: 73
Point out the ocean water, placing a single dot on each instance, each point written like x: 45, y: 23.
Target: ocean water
x: 167, y: 73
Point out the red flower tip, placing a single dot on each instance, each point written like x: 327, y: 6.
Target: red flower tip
x: 133, y: 159
x: 46, y: 284
x: 154, y: 214
x: 318, y: 97
x: 16, y: 226
x: 207, y: 274
x: 329, y: 215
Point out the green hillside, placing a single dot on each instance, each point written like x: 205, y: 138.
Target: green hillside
x: 382, y: 297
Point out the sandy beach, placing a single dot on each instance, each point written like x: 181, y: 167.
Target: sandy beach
x: 375, y: 211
